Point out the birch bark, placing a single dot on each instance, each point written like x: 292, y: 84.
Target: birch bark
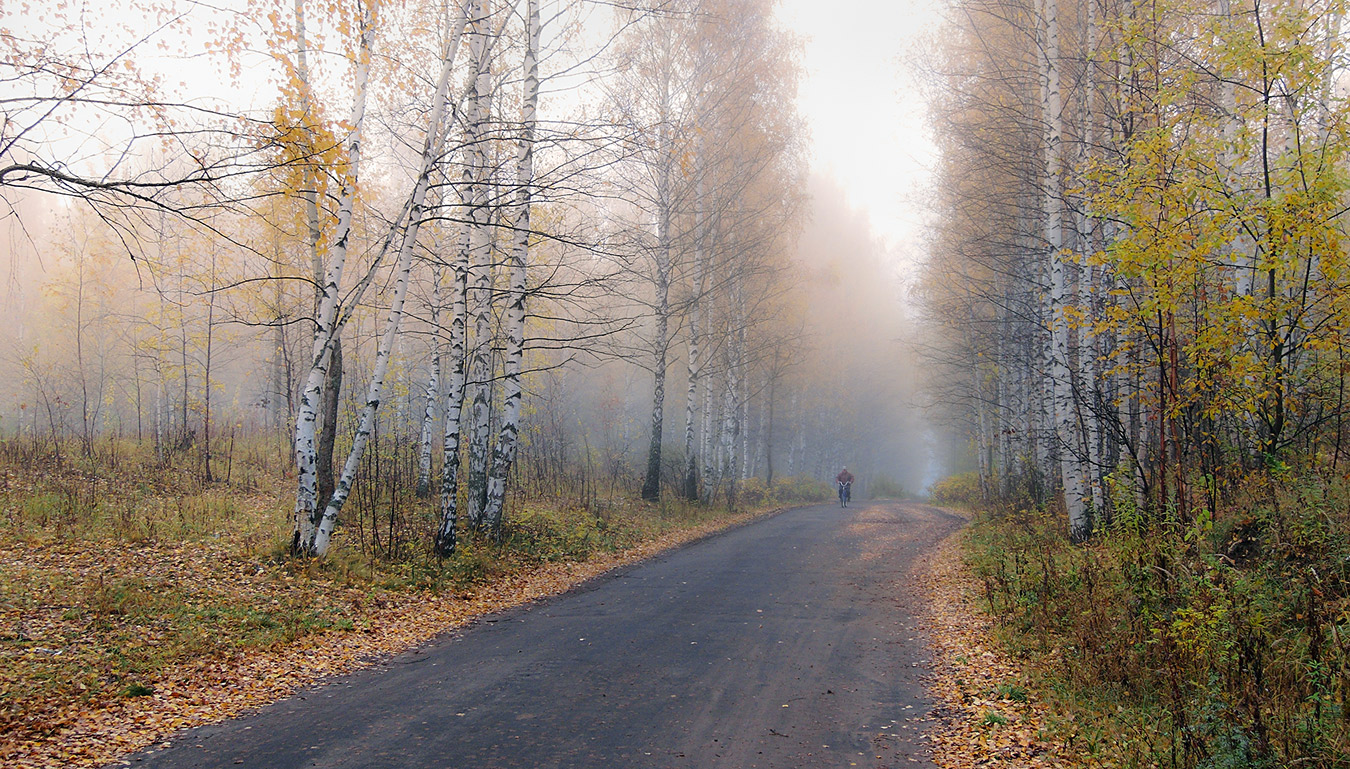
x: 508, y: 439
x: 431, y: 153
x: 307, y: 511
x: 1061, y: 331
x: 695, y: 372
x: 455, y: 388
x: 1089, y: 373
x: 454, y: 403
x: 433, y: 393
x: 651, y: 483
x: 480, y: 264
x: 731, y: 415
x: 332, y: 387
x: 743, y: 418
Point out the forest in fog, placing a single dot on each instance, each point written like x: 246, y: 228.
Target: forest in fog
x: 1140, y: 309
x: 314, y: 308
x: 548, y: 247
x: 1142, y: 284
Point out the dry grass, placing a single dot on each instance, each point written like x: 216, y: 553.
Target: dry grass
x: 135, y: 600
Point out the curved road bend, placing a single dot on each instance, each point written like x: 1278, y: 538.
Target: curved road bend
x: 787, y: 643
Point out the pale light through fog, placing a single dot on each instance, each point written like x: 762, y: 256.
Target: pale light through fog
x: 862, y: 101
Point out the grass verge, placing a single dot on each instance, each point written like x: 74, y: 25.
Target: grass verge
x: 1203, y: 642
x: 117, y: 629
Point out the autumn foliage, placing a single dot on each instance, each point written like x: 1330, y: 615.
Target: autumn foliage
x: 136, y: 600
x: 1141, y: 317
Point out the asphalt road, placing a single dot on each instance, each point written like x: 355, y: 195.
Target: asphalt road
x: 790, y: 642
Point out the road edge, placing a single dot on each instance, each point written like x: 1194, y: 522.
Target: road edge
x: 110, y: 735
x: 987, y: 712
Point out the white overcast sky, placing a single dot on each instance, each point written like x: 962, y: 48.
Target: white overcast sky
x: 862, y: 101
x: 859, y: 96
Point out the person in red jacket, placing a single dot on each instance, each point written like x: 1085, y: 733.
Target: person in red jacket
x: 845, y: 481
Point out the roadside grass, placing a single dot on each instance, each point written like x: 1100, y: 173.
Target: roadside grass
x: 117, y: 567
x: 1190, y: 642
x: 89, y: 620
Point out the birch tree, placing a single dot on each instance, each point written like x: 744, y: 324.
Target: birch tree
x: 504, y: 454
x: 473, y: 246
x: 308, y: 512
x: 480, y: 234
x: 1061, y: 326
x: 432, y: 151
x: 433, y: 392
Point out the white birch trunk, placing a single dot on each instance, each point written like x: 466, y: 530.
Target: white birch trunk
x: 454, y: 403
x: 508, y: 439
x: 1061, y: 372
x: 1036, y: 375
x: 455, y: 386
x: 1089, y: 374
x: 799, y: 468
x: 690, y: 481
x: 982, y: 432
x: 706, y: 451
x: 159, y: 415
x: 755, y: 455
x: 651, y: 482
x: 695, y: 372
x: 306, y: 517
x: 433, y: 393
x: 480, y: 263
x: 743, y: 418
x: 720, y: 444
x: 1007, y: 414
x: 1046, y: 453
x: 1335, y: 46
x: 730, y: 417
x: 431, y: 152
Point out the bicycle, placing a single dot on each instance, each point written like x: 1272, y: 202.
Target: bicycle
x: 845, y: 493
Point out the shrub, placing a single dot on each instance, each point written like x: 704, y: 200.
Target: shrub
x: 886, y: 488
x: 961, y: 490
x: 1186, y: 641
x: 800, y: 489
x: 754, y: 491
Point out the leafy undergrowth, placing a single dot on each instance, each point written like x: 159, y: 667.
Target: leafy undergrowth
x: 988, y: 713
x: 1197, y: 643
x: 116, y: 629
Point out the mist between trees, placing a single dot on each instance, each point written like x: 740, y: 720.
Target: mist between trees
x: 1141, y: 320
x: 545, y: 247
x: 1142, y: 284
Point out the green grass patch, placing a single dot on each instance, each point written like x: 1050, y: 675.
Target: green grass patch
x: 993, y: 718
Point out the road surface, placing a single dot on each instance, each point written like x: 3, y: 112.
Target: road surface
x: 790, y: 642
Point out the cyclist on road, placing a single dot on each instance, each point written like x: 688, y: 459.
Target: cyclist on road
x: 845, y: 481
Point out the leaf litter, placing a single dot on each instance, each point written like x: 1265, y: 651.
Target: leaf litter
x: 94, y: 726
x: 986, y: 715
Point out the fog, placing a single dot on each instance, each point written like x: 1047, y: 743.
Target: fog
x: 639, y: 240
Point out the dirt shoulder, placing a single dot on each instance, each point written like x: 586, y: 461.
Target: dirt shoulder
x: 987, y: 715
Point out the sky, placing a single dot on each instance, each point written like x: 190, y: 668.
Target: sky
x: 862, y: 99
